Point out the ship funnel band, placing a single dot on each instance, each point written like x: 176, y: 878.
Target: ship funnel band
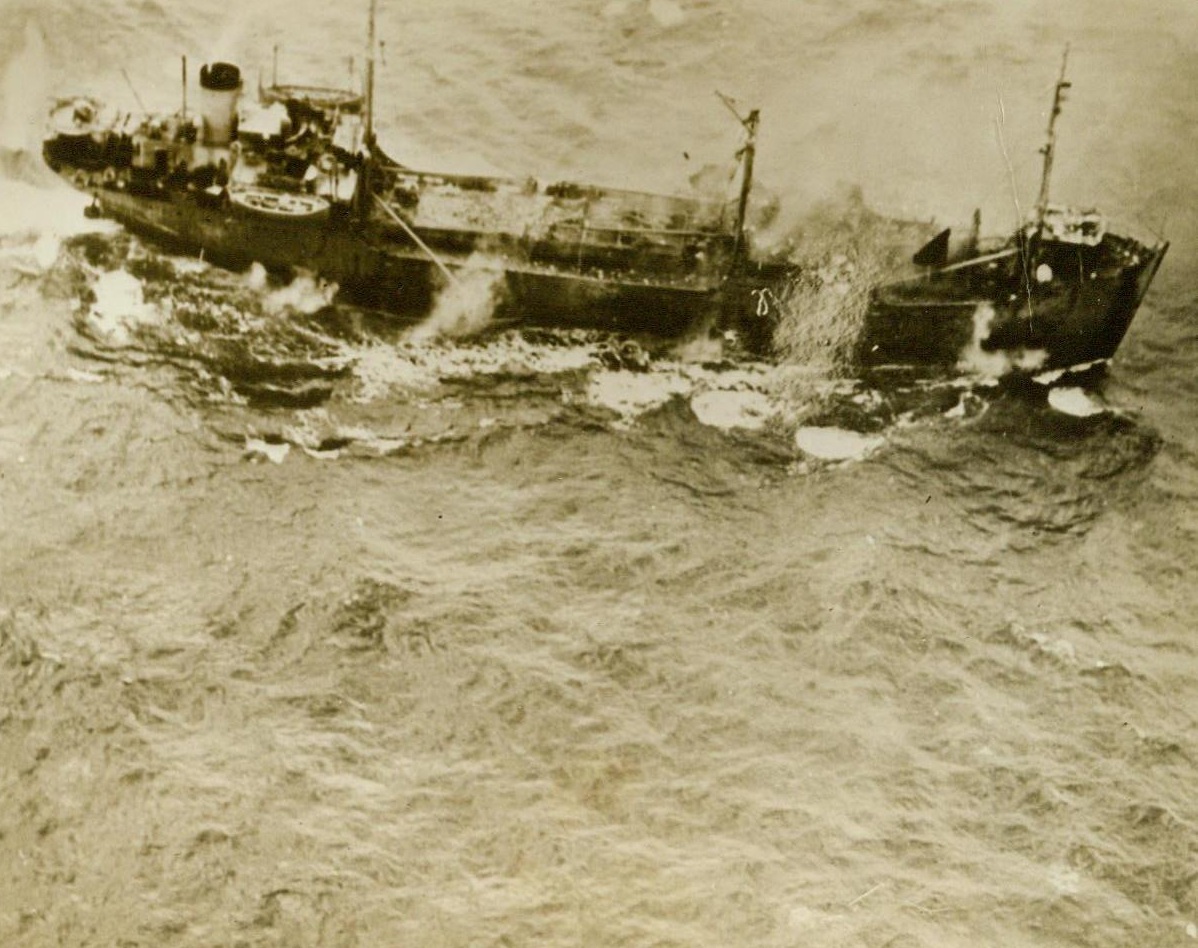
x: 220, y: 77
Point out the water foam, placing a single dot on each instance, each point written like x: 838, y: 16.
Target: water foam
x: 719, y: 398
x: 836, y: 444
x: 381, y: 370
x: 1075, y: 402
x: 272, y: 451
x: 633, y: 393
x: 748, y: 410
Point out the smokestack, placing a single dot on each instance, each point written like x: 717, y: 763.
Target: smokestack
x: 220, y: 84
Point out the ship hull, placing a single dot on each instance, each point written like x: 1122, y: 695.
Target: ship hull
x: 1076, y: 311
x: 397, y: 275
x: 944, y: 320
x: 297, y: 183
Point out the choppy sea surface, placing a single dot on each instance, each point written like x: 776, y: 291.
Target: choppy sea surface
x: 318, y: 629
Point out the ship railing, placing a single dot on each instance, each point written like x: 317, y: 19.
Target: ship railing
x: 1139, y: 231
x: 575, y: 233
x: 614, y: 234
x: 698, y: 282
x: 467, y: 182
x: 695, y: 207
x: 1090, y: 225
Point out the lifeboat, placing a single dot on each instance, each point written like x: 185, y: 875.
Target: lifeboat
x: 284, y: 205
x: 80, y: 117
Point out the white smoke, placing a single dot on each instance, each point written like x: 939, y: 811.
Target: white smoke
x: 23, y: 94
x: 34, y: 213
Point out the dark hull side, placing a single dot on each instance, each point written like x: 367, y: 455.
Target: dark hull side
x: 937, y: 323
x: 396, y: 275
x: 1076, y: 318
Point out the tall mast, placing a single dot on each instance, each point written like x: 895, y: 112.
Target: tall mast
x: 364, y: 191
x: 1050, y: 145
x: 369, y: 103
x: 748, y: 153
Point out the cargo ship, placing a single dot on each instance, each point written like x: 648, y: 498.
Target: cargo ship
x: 294, y: 179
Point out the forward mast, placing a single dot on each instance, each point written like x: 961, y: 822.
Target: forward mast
x: 1049, y: 149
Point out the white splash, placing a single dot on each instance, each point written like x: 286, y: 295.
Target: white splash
x: 305, y: 294
x: 968, y: 405
x: 256, y: 278
x: 120, y: 308
x: 996, y: 364
x: 189, y: 266
x: 466, y: 306
x: 31, y: 208
x: 1075, y: 402
x: 31, y: 254
x: 836, y: 444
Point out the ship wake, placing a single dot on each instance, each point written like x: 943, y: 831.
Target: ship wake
x: 270, y: 366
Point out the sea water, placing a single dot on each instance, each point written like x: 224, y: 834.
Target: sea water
x: 315, y: 630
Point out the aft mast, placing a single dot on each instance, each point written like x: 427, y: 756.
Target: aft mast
x: 747, y: 154
x: 1050, y: 144
x: 746, y: 183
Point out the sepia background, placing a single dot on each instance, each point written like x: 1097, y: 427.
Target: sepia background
x: 317, y: 632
